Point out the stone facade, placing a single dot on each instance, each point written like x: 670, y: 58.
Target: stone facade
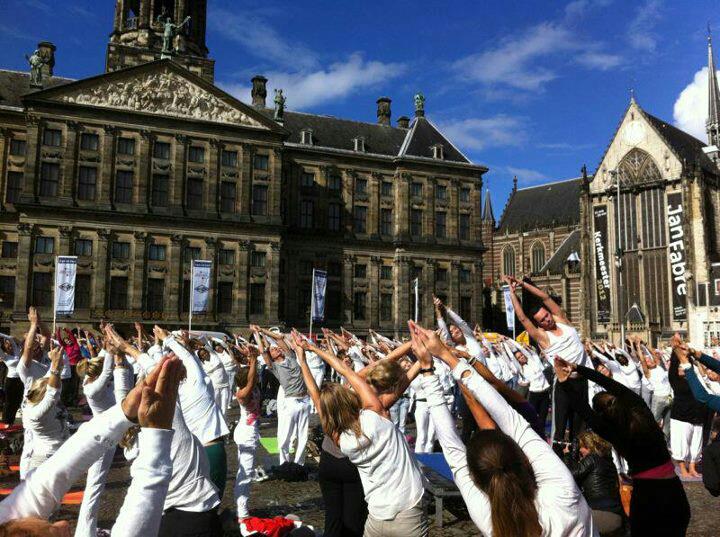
x: 142, y: 169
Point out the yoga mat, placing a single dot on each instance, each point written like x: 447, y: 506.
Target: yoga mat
x: 270, y: 444
x: 71, y: 498
x: 437, y: 462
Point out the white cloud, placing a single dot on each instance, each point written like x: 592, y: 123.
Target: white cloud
x: 527, y: 175
x: 524, y: 62
x: 641, y: 31
x: 260, y: 39
x: 309, y: 88
x: 598, y: 60
x: 579, y: 8
x: 479, y: 133
x: 691, y: 107
x: 513, y: 63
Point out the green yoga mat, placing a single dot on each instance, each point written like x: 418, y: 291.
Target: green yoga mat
x: 271, y: 445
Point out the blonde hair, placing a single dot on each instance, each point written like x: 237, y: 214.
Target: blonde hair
x: 384, y: 377
x: 339, y: 410
x: 37, y: 390
x: 594, y: 443
x: 89, y: 368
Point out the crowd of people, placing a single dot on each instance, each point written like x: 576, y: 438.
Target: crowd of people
x: 621, y: 414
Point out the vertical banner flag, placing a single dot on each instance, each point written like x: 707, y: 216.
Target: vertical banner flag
x: 65, y: 272
x: 677, y: 255
x: 318, y: 299
x: 200, y: 292
x: 509, y: 308
x: 416, y: 294
x: 602, y: 271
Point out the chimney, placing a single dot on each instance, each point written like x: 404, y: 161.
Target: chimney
x: 383, y: 111
x: 259, y: 91
x: 47, y: 51
x: 403, y: 122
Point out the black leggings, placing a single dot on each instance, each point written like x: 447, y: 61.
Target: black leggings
x: 659, y: 507
x: 541, y: 403
x: 177, y: 523
x: 342, y: 491
x: 13, y: 398
x: 564, y: 414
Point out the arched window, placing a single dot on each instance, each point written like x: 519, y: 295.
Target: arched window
x: 538, y: 256
x: 638, y: 167
x: 509, y: 261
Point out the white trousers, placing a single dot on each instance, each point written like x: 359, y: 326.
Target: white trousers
x: 399, y: 412
x: 26, y: 455
x: 425, y: 428
x: 222, y: 399
x: 318, y: 375
x: 246, y: 437
x: 94, y: 487
x: 685, y: 441
x: 295, y: 412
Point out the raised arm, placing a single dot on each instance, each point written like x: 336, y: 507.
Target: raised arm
x: 243, y: 393
x: 308, y: 378
x: 34, y: 319
x: 471, y: 341
x: 442, y: 326
x: 532, y: 330
x: 548, y: 302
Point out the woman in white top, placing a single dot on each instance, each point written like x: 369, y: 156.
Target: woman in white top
x: 105, y: 380
x: 247, y: 431
x: 358, y: 422
x: 151, y: 404
x: 512, y: 482
x: 42, y: 414
x: 10, y: 353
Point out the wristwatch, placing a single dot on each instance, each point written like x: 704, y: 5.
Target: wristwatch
x: 428, y: 370
x: 55, y: 372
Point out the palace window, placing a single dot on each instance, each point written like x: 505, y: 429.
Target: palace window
x: 416, y: 222
x: 44, y: 245
x: 192, y: 253
x: 438, y: 151
x: 261, y: 162
x: 464, y: 226
x: 538, y: 257
x: 386, y: 272
x: 49, y: 179
x: 7, y: 291
x: 9, y: 250
x: 224, y: 297
x: 306, y: 214
x: 228, y: 194
x: 360, y: 270
x: 361, y: 186
x: 466, y: 307
x: 156, y: 252
x: 440, y: 192
x: 306, y: 136
x: 13, y: 187
x: 386, y: 306
x: 194, y: 193
x: 155, y: 294
x: 386, y: 221
x: 42, y: 289
x: 160, y: 190
x: 440, y: 224
x: 18, y: 147
x: 464, y: 275
x: 52, y: 137
x: 126, y: 146
x: 89, y: 141
x: 124, y: 186
x: 229, y: 159
x: 87, y: 181
x: 386, y: 188
x: 83, y: 247
x: 464, y: 194
x: 509, y: 261
x: 441, y: 275
x: 83, y: 283
x: 334, y: 217
x: 196, y: 154
x: 360, y: 306
x: 360, y: 219
x: 359, y: 144
x: 118, y: 292
x: 416, y: 190
x: 307, y: 179
x: 257, y: 259
x: 257, y: 298
x: 161, y: 150
x: 334, y: 183
x: 226, y: 256
x: 120, y: 250
x: 259, y: 200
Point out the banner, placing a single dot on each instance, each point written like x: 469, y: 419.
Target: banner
x: 416, y: 294
x: 509, y: 308
x: 200, y: 292
x: 65, y: 272
x: 318, y: 299
x: 602, y: 270
x: 677, y: 256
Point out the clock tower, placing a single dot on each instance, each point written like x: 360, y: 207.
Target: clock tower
x: 146, y: 30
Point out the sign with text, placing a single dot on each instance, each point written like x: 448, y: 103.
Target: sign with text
x: 677, y: 255
x: 200, y: 292
x: 318, y: 299
x: 65, y: 272
x: 602, y: 269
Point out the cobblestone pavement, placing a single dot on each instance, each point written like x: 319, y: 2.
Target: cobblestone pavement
x: 272, y: 498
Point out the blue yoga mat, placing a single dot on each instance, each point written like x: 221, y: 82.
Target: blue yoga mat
x: 437, y: 462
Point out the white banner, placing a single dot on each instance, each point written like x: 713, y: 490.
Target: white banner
x: 65, y: 272
x: 200, y: 292
x: 318, y: 299
x: 509, y: 309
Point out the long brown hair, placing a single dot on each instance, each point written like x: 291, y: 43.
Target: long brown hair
x: 339, y: 410
x: 501, y: 469
x: 384, y: 377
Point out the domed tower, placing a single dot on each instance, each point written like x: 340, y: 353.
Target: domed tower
x: 146, y: 30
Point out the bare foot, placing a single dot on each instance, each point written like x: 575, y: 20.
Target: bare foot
x: 683, y: 470
x: 693, y: 471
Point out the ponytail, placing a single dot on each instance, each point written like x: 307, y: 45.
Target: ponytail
x: 89, y: 368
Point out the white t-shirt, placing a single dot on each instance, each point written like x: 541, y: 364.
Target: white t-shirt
x: 660, y: 382
x: 389, y: 472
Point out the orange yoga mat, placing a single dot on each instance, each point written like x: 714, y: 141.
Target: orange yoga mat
x: 71, y: 498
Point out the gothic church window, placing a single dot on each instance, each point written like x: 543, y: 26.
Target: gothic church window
x: 638, y: 167
x: 509, y: 261
x: 538, y: 256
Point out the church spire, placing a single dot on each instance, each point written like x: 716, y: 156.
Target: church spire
x: 713, y: 120
x: 488, y: 215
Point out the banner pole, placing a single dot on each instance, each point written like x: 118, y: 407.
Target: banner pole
x: 192, y: 295
x: 312, y: 302
x: 55, y: 293
x: 417, y: 296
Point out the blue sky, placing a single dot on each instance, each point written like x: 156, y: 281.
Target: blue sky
x: 533, y: 88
